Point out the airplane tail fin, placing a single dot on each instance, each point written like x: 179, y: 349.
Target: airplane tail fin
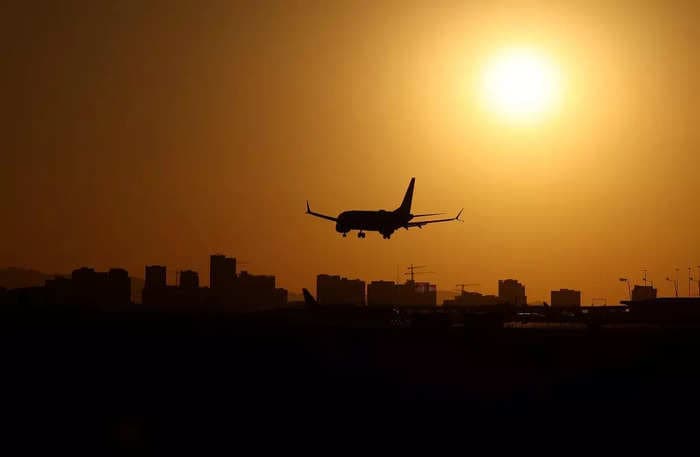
x: 309, y: 299
x: 408, y: 198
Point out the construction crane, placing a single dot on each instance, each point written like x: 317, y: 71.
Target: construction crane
x: 412, y: 271
x: 462, y: 286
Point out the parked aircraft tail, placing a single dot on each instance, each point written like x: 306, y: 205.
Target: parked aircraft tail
x: 309, y: 299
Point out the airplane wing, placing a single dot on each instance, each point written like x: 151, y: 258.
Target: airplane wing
x: 322, y: 216
x: 420, y: 224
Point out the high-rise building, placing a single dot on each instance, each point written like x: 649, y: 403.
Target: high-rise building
x: 189, y: 279
x: 566, y: 298
x: 641, y: 293
x: 381, y: 293
x: 155, y: 277
x: 411, y: 293
x: 222, y: 271
x: 118, y: 287
x: 472, y: 299
x: 89, y: 287
x: 512, y: 292
x: 334, y: 290
x: 258, y: 292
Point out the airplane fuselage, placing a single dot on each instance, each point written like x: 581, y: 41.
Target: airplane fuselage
x: 384, y: 222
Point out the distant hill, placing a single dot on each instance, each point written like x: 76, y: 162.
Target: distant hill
x: 13, y: 278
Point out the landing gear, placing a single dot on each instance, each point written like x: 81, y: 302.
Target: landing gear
x: 345, y: 234
x: 361, y: 234
x: 386, y: 235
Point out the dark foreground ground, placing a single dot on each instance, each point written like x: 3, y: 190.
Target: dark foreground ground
x: 138, y: 382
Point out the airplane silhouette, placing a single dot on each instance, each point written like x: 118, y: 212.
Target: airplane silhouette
x: 384, y: 222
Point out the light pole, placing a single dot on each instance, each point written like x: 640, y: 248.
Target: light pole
x: 629, y: 291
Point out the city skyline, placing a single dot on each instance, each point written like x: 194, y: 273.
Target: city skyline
x: 509, y: 288
x: 142, y: 134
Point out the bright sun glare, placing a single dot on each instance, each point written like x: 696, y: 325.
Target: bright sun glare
x: 520, y: 85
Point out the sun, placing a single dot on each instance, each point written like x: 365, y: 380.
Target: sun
x: 520, y: 85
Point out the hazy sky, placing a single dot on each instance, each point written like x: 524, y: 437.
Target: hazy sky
x: 138, y: 132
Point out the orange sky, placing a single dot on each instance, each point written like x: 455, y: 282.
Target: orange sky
x: 149, y: 132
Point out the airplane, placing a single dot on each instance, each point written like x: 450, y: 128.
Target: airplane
x: 384, y: 222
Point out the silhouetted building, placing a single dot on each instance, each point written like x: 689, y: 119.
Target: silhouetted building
x: 189, y: 279
x: 119, y: 286
x: 413, y: 293
x: 85, y: 288
x: 472, y: 299
x: 566, y: 298
x: 409, y: 294
x: 230, y: 292
x: 60, y: 289
x: 334, y: 290
x: 155, y: 277
x: 155, y: 288
x: 512, y: 292
x: 222, y: 271
x: 257, y: 292
x: 111, y: 288
x: 678, y: 311
x: 381, y: 293
x: 27, y: 297
x: 641, y: 293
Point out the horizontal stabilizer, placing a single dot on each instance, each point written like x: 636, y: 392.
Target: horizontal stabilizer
x: 420, y: 224
x: 427, y: 214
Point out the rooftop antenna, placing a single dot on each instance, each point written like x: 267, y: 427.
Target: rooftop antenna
x: 698, y: 267
x: 629, y: 290
x: 644, y: 277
